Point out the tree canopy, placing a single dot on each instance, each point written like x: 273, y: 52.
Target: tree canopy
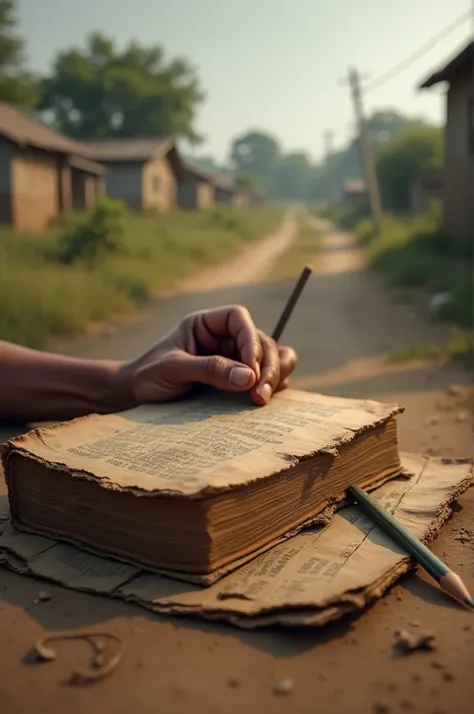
x: 403, y: 159
x: 102, y: 92
x: 17, y: 85
x: 257, y: 154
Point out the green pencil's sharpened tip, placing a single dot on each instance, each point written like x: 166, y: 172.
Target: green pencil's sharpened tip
x: 470, y: 602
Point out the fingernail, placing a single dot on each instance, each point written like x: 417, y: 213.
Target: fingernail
x: 265, y: 392
x: 240, y: 376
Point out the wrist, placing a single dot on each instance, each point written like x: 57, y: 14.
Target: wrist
x: 118, y: 389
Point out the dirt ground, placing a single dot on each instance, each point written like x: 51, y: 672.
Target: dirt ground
x: 343, y: 329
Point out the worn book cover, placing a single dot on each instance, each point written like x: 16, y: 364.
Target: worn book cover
x: 199, y: 484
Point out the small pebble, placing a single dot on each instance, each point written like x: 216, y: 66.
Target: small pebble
x: 461, y: 417
x: 415, y: 623
x: 431, y: 420
x: 448, y: 676
x: 286, y: 686
x: 409, y: 642
x: 233, y: 682
x: 436, y: 664
x: 381, y: 708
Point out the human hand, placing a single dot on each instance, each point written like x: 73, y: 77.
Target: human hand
x: 221, y: 348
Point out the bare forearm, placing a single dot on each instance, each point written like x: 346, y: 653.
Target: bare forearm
x: 37, y: 386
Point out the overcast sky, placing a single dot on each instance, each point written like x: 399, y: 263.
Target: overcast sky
x: 270, y: 64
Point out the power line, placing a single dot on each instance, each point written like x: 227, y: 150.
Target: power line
x: 394, y: 71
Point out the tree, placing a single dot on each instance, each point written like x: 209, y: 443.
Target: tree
x: 17, y: 86
x: 294, y: 177
x: 383, y: 126
x: 405, y: 158
x: 101, y: 92
x: 206, y: 163
x: 246, y: 182
x: 257, y: 154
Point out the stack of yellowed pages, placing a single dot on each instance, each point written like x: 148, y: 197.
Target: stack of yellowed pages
x: 197, y: 487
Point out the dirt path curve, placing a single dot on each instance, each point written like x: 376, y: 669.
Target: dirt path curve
x: 343, y: 327
x: 251, y: 265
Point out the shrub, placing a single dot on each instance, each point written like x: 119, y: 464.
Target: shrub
x: 101, y: 233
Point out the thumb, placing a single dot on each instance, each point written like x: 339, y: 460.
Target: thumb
x: 215, y: 371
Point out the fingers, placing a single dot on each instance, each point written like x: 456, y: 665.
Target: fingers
x: 216, y: 371
x: 232, y: 322
x: 288, y: 360
x: 275, y: 368
x: 269, y: 371
x: 228, y: 334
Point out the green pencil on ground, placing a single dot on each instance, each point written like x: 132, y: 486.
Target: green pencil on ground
x: 447, y: 579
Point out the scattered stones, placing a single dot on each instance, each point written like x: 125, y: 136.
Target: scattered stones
x: 285, y: 686
x: 464, y: 535
x: 42, y: 596
x: 409, y: 642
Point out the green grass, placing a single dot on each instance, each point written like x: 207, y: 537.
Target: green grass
x: 460, y: 347
x: 302, y: 252
x: 40, y: 297
x: 413, y: 252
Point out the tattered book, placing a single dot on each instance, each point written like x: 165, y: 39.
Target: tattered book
x: 197, y: 487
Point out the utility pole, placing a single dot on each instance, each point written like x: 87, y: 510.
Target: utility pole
x: 328, y: 137
x: 367, y: 152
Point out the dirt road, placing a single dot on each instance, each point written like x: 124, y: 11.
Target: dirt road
x: 343, y: 329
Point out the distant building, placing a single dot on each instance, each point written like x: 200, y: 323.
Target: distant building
x: 458, y: 190
x: 355, y: 192
x: 425, y: 190
x: 196, y: 190
x: 142, y: 172
x: 42, y: 173
x: 224, y: 190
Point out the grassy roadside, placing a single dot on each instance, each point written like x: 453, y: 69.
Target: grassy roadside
x: 302, y: 252
x: 41, y: 296
x: 412, y: 253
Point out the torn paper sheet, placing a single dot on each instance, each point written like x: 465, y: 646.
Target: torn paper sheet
x: 317, y: 576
